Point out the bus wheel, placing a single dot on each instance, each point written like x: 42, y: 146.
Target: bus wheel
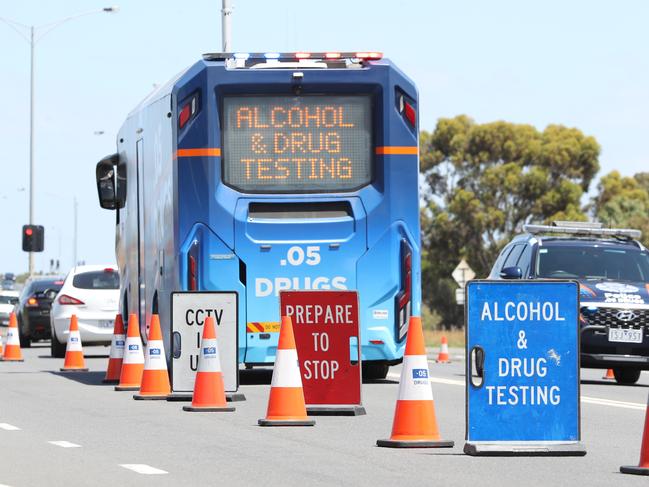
x: 375, y: 371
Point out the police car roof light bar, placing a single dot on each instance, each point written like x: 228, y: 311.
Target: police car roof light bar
x: 627, y: 233
x: 561, y: 223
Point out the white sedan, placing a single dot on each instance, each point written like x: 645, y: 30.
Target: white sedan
x: 7, y: 301
x: 92, y: 293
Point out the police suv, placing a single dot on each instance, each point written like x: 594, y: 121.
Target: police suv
x: 612, y: 268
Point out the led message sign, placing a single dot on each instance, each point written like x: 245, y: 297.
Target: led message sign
x: 297, y: 143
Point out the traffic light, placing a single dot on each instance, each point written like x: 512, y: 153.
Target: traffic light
x: 33, y: 238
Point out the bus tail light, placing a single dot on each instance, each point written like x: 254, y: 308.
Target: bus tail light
x: 188, y: 111
x: 410, y: 114
x: 191, y: 273
x: 403, y: 299
x: 65, y: 299
x: 407, y: 110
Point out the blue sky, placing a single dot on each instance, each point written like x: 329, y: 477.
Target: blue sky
x: 578, y: 63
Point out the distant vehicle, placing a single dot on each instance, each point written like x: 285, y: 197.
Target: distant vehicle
x: 33, y: 308
x: 92, y: 293
x: 613, y: 272
x: 8, y: 300
x: 9, y: 281
x: 258, y: 173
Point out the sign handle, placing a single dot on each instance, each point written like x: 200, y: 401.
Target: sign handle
x: 176, y: 346
x: 476, y: 366
x: 353, y: 350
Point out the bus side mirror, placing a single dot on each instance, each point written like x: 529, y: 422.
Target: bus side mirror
x: 105, y: 175
x: 511, y: 273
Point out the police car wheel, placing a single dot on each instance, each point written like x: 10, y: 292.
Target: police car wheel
x: 626, y: 376
x: 57, y: 348
x: 25, y: 342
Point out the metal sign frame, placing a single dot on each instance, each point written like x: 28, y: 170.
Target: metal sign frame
x: 343, y: 409
x: 521, y: 448
x: 187, y: 395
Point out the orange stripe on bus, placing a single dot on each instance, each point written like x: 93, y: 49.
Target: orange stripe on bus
x: 398, y: 150
x: 214, y: 151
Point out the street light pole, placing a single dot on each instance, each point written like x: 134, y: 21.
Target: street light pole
x: 76, y: 259
x: 31, y: 142
x: 226, y: 32
x: 33, y: 38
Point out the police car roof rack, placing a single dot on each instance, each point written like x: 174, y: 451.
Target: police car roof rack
x: 594, y: 229
x: 292, y: 60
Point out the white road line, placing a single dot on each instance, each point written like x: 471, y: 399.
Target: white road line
x: 143, y: 468
x: 585, y: 399
x: 8, y: 427
x: 616, y: 404
x: 64, y: 444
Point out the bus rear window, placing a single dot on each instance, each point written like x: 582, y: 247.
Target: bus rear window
x: 96, y: 280
x: 282, y: 144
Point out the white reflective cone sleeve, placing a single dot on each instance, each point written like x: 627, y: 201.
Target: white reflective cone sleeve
x: 12, y: 337
x: 209, y: 359
x: 117, y: 346
x: 286, y: 372
x: 415, y: 382
x: 74, y: 342
x: 154, y: 358
x: 133, y: 351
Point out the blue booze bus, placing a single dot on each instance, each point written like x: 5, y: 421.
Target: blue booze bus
x: 258, y: 173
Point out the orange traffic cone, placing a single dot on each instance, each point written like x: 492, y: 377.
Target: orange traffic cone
x: 643, y: 467
x: 116, y: 352
x: 209, y: 391
x: 443, y: 357
x: 0, y: 347
x: 415, y: 424
x: 286, y: 405
x: 74, y: 361
x: 155, y: 379
x: 130, y: 376
x: 12, y: 352
x: 609, y: 375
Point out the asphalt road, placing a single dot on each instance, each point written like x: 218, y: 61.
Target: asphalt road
x: 69, y: 430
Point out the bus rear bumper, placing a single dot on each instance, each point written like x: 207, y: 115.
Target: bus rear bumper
x: 378, y: 346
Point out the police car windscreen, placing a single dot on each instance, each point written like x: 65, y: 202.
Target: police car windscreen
x: 586, y: 262
x: 297, y: 143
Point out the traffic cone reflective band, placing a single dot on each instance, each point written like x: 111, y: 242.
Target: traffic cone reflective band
x: 443, y: 357
x: 116, y: 352
x: 155, y: 379
x: 609, y: 375
x: 209, y: 391
x: 12, y: 352
x: 643, y: 467
x: 74, y: 361
x: 286, y: 402
x: 415, y: 424
x: 130, y: 376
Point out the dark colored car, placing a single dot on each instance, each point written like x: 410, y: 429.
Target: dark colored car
x: 33, y: 308
x: 613, y: 273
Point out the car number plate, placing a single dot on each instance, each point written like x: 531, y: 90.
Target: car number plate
x: 625, y: 335
x: 105, y: 323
